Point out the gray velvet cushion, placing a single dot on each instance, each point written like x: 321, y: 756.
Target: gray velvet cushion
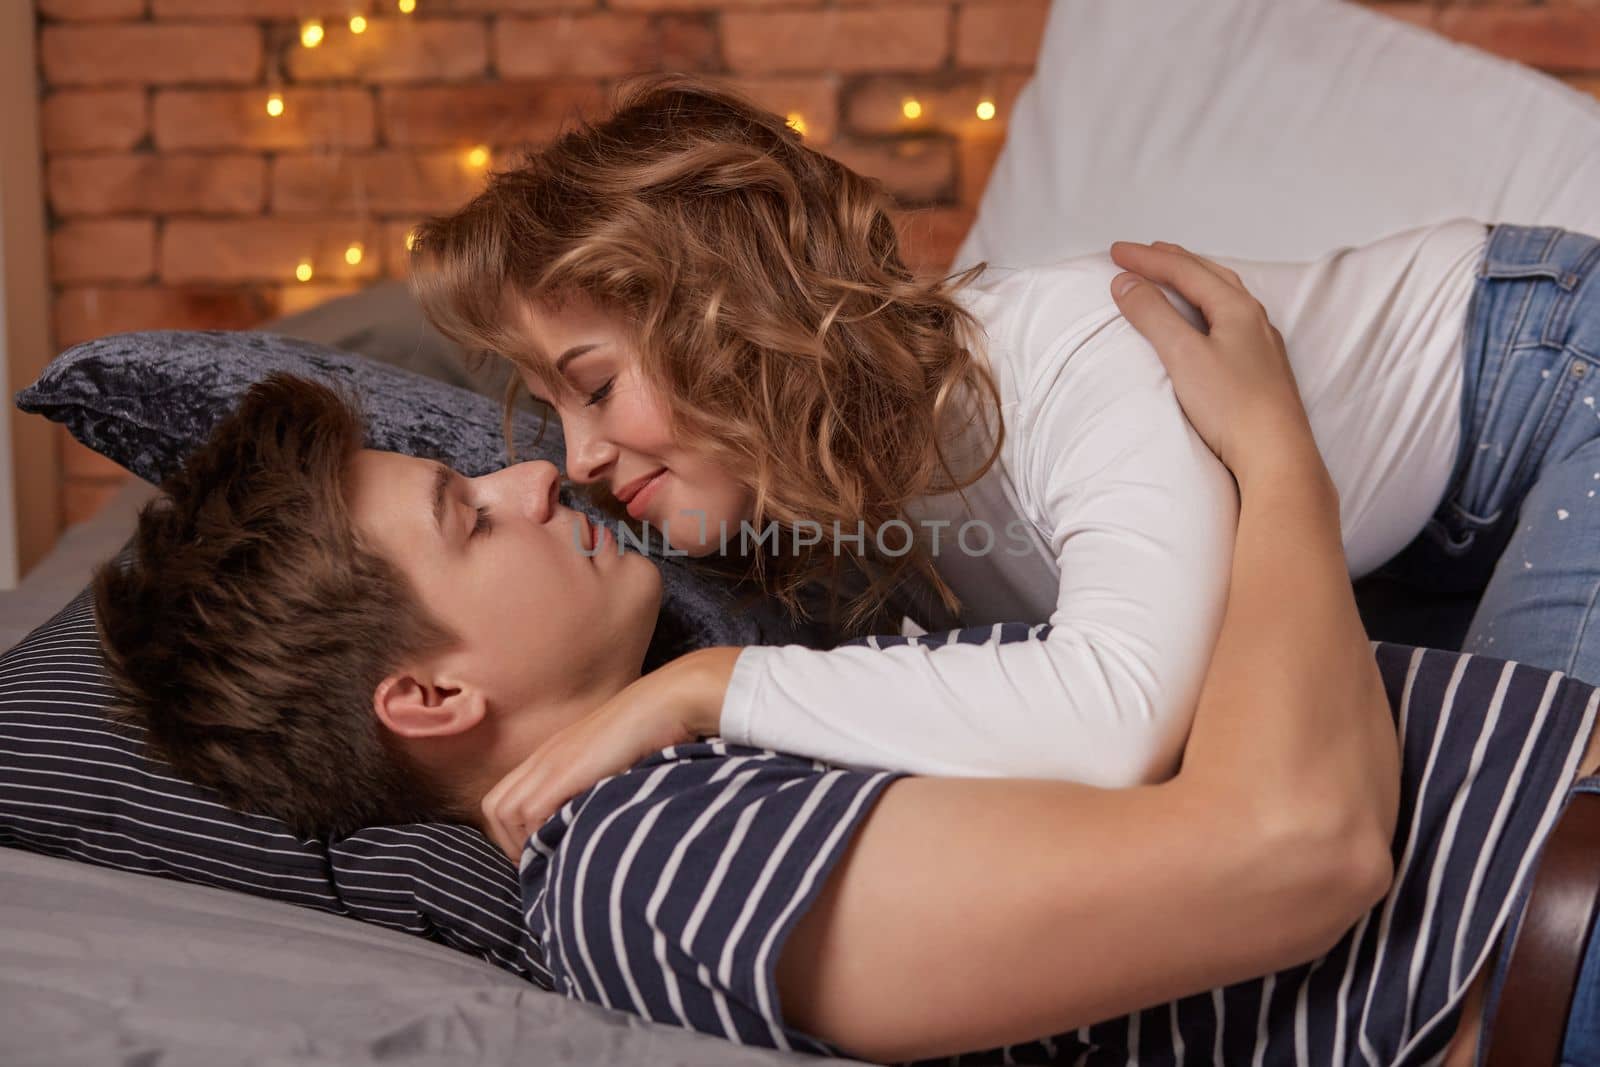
x: 147, y: 399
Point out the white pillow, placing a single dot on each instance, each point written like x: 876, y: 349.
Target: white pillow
x: 1273, y: 129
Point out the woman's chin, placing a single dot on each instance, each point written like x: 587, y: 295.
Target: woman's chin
x: 692, y: 546
x: 699, y: 533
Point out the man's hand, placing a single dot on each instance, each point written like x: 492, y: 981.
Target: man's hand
x: 671, y: 705
x: 1234, y: 383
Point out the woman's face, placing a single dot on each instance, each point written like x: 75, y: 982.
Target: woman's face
x: 617, y: 431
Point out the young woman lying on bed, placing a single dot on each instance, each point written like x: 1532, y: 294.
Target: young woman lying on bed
x: 335, y: 636
x: 720, y: 317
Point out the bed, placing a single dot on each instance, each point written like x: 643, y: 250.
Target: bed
x: 109, y: 966
x: 1391, y: 127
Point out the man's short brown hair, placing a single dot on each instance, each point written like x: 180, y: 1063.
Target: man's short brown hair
x: 249, y: 626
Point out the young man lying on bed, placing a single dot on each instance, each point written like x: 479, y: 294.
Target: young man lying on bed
x: 341, y: 637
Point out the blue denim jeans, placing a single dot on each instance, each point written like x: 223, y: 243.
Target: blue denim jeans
x: 1513, y: 550
x: 1516, y: 540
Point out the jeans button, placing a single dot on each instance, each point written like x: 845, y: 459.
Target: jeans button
x: 1580, y: 369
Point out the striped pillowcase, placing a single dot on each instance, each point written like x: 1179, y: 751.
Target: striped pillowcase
x: 75, y: 784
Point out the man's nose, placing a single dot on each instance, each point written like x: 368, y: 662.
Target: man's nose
x: 532, y: 488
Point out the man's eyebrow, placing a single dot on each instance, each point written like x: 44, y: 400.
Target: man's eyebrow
x: 571, y: 354
x: 441, y: 482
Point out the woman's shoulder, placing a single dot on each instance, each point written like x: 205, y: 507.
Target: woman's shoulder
x: 1036, y: 317
x: 1053, y: 327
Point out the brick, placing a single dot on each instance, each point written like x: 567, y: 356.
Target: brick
x: 79, y: 119
x: 397, y: 50
x: 296, y: 296
x: 688, y: 43
x: 264, y: 249
x: 917, y: 170
x: 949, y: 103
x: 80, y: 461
x: 1004, y: 33
x: 507, y: 7
x: 150, y: 54
x: 709, y: 5
x: 843, y: 40
x: 157, y: 184
x: 975, y: 160
x: 486, y: 113
x: 82, y: 500
x: 90, y: 10
x: 84, y: 313
x: 1551, y: 38
x: 261, y: 9
x: 237, y: 118
x: 96, y: 250
x: 930, y: 238
x: 565, y: 45
x: 410, y: 183
x: 815, y: 99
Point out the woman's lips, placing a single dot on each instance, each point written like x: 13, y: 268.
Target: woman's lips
x: 641, y: 499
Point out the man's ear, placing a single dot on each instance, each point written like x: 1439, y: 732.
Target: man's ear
x: 415, y: 704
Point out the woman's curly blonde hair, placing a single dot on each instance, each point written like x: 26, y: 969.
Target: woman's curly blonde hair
x: 763, y: 286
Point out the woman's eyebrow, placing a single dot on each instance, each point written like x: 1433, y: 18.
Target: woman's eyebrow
x: 571, y: 354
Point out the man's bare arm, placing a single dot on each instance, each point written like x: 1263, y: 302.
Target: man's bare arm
x: 974, y: 913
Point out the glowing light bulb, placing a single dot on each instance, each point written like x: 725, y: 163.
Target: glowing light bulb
x: 303, y: 271
x: 311, y: 33
x: 358, y: 24
x: 912, y: 109
x: 478, y: 156
x: 795, y: 119
x: 275, y: 105
x: 411, y: 240
x: 986, y: 110
x: 352, y: 255
x: 407, y: 6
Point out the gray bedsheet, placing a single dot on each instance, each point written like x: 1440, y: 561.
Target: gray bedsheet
x: 99, y: 966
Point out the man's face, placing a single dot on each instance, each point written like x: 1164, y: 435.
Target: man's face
x: 546, y: 624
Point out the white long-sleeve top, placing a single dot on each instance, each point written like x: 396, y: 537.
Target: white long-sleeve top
x: 1113, y: 521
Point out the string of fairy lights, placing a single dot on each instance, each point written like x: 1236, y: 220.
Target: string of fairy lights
x: 313, y: 32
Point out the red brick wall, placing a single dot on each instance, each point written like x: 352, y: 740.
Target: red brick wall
x: 176, y: 201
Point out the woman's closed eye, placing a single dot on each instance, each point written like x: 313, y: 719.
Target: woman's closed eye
x: 600, y: 394
x: 482, y: 524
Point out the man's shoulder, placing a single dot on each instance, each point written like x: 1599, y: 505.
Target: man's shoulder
x: 669, y: 889
x: 688, y: 773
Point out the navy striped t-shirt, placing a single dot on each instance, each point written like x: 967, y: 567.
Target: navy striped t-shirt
x: 668, y: 890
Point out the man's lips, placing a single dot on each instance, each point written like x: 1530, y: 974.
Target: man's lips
x: 594, y: 535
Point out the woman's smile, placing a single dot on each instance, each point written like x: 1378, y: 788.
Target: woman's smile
x: 639, y: 501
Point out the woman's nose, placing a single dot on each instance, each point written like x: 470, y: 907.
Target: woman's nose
x: 588, y: 453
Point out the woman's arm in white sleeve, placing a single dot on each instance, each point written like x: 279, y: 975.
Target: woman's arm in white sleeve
x: 1140, y: 518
